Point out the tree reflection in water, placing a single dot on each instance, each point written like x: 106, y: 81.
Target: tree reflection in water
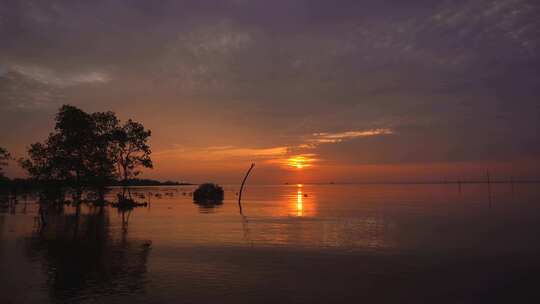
x: 81, y: 255
x: 208, y: 207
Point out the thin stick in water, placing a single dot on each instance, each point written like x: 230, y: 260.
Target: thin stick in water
x: 242, y: 187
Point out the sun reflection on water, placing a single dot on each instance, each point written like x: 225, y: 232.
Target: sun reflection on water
x: 299, y: 203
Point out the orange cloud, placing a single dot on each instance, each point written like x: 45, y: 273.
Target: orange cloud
x: 323, y: 138
x: 284, y: 156
x: 223, y: 153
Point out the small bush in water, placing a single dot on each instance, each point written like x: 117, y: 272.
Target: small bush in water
x: 208, y: 194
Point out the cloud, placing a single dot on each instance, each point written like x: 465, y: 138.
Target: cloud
x: 248, y: 152
x: 53, y: 78
x: 293, y: 155
x: 18, y: 92
x: 323, y: 138
x: 457, y: 79
x: 32, y: 87
x: 200, y: 57
x: 3, y: 70
x: 221, y: 38
x: 223, y: 153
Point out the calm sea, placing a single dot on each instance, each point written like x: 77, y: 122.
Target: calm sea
x: 290, y: 244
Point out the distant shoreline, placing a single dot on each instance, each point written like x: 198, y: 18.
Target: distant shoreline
x: 18, y: 182
x: 441, y: 183
x: 422, y: 183
x: 25, y: 182
x: 368, y: 183
x: 149, y: 182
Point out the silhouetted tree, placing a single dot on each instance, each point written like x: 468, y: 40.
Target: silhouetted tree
x: 131, y: 150
x: 103, y: 162
x: 74, y: 153
x: 89, y: 150
x: 4, y: 157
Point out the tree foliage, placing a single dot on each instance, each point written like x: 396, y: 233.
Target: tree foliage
x: 208, y: 193
x: 131, y: 150
x: 88, y: 149
x: 4, y: 158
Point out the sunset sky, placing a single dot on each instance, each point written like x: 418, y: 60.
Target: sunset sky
x: 309, y: 90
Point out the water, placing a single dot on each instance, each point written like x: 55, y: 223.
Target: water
x: 291, y: 244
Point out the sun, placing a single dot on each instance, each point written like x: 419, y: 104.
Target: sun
x: 299, y: 162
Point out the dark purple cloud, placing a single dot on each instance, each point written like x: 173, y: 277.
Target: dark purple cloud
x: 456, y: 80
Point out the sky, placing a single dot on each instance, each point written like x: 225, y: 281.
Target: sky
x: 309, y: 90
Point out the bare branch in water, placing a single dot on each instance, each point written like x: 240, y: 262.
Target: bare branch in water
x: 242, y: 187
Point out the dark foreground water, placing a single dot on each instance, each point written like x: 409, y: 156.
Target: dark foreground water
x: 292, y: 244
